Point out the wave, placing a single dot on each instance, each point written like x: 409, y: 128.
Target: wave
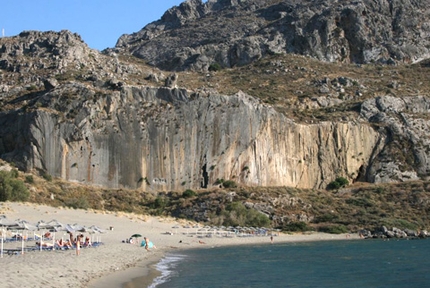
x: 167, y: 266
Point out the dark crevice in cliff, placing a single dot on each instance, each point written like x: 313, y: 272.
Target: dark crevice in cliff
x: 361, y: 176
x: 205, y: 175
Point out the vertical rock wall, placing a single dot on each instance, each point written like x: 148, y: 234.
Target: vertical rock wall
x: 164, y: 139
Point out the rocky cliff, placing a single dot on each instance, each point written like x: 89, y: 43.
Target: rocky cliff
x: 195, y: 35
x: 105, y: 119
x: 163, y: 139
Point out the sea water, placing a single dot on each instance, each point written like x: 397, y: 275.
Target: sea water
x: 337, y: 264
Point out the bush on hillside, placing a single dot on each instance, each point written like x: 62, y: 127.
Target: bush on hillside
x: 338, y: 183
x: 214, y: 67
x: 229, y: 184
x: 12, y: 189
x: 296, y: 227
x: 189, y: 193
x: 236, y: 214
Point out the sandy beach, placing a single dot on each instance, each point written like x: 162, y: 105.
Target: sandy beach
x: 113, y: 263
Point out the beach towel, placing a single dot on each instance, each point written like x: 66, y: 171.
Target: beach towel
x: 143, y: 244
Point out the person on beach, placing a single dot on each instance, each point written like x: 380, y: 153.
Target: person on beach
x: 78, y: 245
x: 147, y: 244
x: 64, y: 244
x: 44, y: 244
x: 271, y: 239
x: 87, y: 242
x: 71, y: 238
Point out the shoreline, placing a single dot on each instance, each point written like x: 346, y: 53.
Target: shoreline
x: 147, y: 272
x: 144, y: 272
x: 114, y: 263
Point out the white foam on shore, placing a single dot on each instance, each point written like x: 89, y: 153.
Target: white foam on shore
x: 167, y: 266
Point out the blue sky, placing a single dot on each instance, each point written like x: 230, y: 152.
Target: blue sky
x: 99, y: 22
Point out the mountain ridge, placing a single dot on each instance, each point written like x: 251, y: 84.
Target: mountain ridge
x: 195, y: 35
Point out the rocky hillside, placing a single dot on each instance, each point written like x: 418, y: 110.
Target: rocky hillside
x: 230, y: 33
x: 67, y: 114
x: 108, y: 119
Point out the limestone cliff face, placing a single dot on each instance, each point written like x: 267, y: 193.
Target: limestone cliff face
x: 164, y: 139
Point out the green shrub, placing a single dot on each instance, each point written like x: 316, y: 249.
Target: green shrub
x: 159, y: 205
x: 47, y: 177
x: 338, y: 183
x: 29, y: 179
x: 360, y: 202
x: 160, y: 202
x: 12, y: 189
x: 189, y: 193
x: 14, y: 173
x: 342, y: 181
x: 380, y: 190
x: 328, y: 217
x: 77, y: 203
x: 296, y: 227
x: 236, y: 214
x: 214, y: 67
x: 229, y: 184
x: 333, y: 185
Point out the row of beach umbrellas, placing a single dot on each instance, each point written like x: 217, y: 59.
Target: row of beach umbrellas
x: 225, y: 230
x: 19, y: 227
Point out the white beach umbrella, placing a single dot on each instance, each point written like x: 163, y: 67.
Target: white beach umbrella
x: 187, y: 227
x: 197, y: 228
x: 176, y: 227
x: 4, y: 223
x: 55, y: 226
x: 95, y: 230
x: 24, y: 226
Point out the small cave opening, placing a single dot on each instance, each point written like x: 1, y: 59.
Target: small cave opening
x: 205, y: 175
x: 361, y: 175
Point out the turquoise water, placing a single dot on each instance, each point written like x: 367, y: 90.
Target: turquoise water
x: 347, y: 263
